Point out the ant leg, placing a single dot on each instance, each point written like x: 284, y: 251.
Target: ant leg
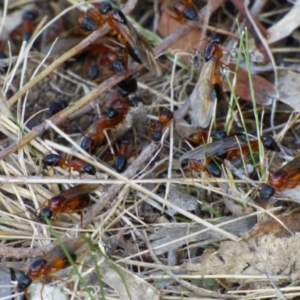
x: 43, y: 281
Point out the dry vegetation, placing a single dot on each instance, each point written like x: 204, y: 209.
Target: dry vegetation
x: 157, y: 230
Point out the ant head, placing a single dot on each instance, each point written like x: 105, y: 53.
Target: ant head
x: 37, y: 265
x: 212, y: 48
x: 266, y: 192
x: 270, y: 144
x: 118, y: 66
x: 89, y: 169
x: 30, y: 15
x: 218, y: 134
x: 23, y: 283
x: 237, y: 130
x: 184, y: 162
x: 127, y: 86
x: 120, y: 163
x: 215, y: 39
x: 56, y: 107
x: 50, y: 160
x: 87, y: 143
x: 156, y: 134
x: 165, y: 111
x: 44, y: 214
x: 118, y: 16
x: 214, y: 169
x: 93, y: 71
x: 105, y: 8
x: 191, y: 14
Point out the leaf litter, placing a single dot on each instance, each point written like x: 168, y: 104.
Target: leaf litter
x: 166, y: 235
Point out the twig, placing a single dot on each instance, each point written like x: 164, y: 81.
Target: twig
x: 14, y: 252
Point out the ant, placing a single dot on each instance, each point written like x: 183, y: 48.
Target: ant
x: 209, y: 85
x: 110, y: 119
x: 156, y: 127
x: 106, y: 56
x: 54, y: 160
x: 134, y: 43
x: 54, y: 261
x: 286, y: 177
x: 72, y: 200
x: 120, y: 160
x: 186, y: 10
x: 111, y: 58
x: 120, y: 163
x: 201, y: 137
x: 25, y: 30
x: 229, y: 147
x: 197, y: 166
x: 27, y: 18
x: 165, y: 116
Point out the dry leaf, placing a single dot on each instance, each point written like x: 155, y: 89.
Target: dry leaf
x: 273, y: 227
x: 265, y: 92
x: 265, y: 255
x: 288, y: 87
x: 168, y: 25
x: 184, y: 129
x: 182, y: 199
x: 286, y: 25
x: 171, y: 236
